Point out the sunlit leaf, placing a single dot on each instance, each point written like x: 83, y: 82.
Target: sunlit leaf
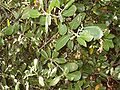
x: 68, y: 4
x: 17, y: 86
x: 34, y: 13
x: 35, y: 64
x: 41, y: 81
x: 55, y: 81
x: 71, y: 67
x: 86, y: 36
x: 77, y: 20
x: 81, y: 41
x: 70, y: 12
x: 53, y: 72
x: 95, y: 31
x: 47, y: 22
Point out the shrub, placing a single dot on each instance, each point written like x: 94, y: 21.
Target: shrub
x: 60, y: 44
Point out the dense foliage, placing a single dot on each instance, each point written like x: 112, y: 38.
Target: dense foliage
x: 59, y: 45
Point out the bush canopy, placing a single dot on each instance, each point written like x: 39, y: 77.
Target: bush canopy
x: 59, y: 45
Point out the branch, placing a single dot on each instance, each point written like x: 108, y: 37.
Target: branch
x: 49, y: 41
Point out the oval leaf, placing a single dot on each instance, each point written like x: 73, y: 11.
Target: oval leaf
x: 77, y: 20
x: 74, y: 76
x: 86, y: 36
x: 55, y: 81
x: 81, y: 41
x: 44, y: 54
x: 53, y: 72
x: 70, y: 44
x: 62, y: 29
x: 9, y: 30
x: 71, y: 67
x: 62, y: 42
x: 60, y: 60
x: 55, y: 54
x: 34, y: 13
x: 107, y: 44
x: 68, y: 4
x: 53, y: 3
x: 70, y: 12
x: 95, y: 31
x: 41, y: 81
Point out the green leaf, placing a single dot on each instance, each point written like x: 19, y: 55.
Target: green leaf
x: 16, y: 27
x: 87, y: 69
x: 62, y: 29
x: 102, y: 26
x: 60, y: 60
x: 17, y: 86
x: 49, y: 52
x: 86, y: 36
x: 110, y: 36
x: 55, y: 81
x: 80, y: 7
x: 35, y: 64
x: 95, y: 31
x: 41, y: 81
x: 47, y: 22
x: 81, y: 41
x: 70, y: 44
x: 53, y: 3
x: 42, y: 20
x: 108, y: 44
x: 9, y: 30
x: 23, y: 67
x: 53, y: 72
x: 55, y: 54
x: 116, y: 73
x: 70, y: 12
x: 74, y: 76
x: 16, y: 15
x: 77, y: 86
x: 62, y: 42
x: 34, y: 13
x: 71, y: 67
x: 69, y: 4
x: 29, y: 34
x: 26, y: 14
x: 44, y: 54
x: 77, y: 20
x: 1, y: 41
x: 80, y: 63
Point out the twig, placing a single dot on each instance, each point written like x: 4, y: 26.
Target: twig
x: 49, y: 40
